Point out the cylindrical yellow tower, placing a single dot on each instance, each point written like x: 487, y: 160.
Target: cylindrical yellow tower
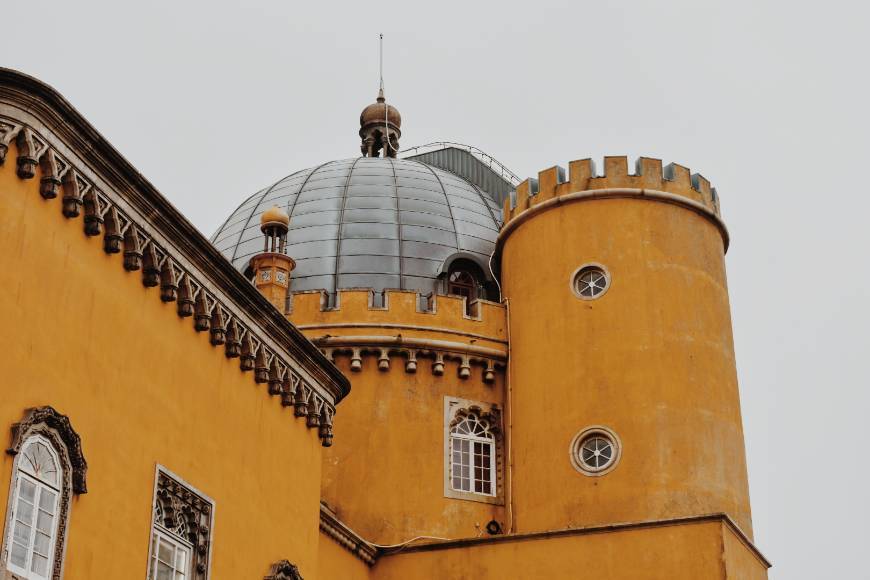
x: 624, y: 402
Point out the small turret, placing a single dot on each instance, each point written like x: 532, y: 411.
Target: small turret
x: 272, y: 267
x: 380, y: 128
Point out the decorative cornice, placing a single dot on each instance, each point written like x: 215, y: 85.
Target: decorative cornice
x: 412, y: 349
x: 331, y: 526
x: 131, y: 215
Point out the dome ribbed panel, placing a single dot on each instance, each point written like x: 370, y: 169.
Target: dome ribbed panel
x: 368, y: 223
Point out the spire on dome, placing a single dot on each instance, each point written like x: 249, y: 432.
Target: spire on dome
x: 380, y: 123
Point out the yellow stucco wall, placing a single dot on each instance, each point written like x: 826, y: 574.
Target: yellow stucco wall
x: 385, y: 478
x: 336, y: 563
x: 690, y: 552
x: 141, y: 387
x: 740, y: 562
x: 652, y: 359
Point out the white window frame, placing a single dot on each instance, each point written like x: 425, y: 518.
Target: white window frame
x: 158, y: 534
x: 19, y: 476
x: 452, y: 406
x: 471, y: 453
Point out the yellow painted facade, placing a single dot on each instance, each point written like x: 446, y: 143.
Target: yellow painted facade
x: 317, y: 427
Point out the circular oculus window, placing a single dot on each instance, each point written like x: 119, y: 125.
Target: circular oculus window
x: 595, y: 451
x: 590, y: 281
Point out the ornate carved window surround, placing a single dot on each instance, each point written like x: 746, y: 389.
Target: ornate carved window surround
x: 55, y: 429
x: 184, y: 512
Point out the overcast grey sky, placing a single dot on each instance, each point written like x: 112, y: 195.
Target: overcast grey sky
x: 769, y: 100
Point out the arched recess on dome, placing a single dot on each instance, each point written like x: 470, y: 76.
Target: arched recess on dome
x: 454, y: 273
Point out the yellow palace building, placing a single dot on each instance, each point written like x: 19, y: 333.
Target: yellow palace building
x: 408, y: 364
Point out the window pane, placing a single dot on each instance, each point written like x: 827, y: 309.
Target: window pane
x: 181, y: 559
x: 42, y: 543
x: 40, y: 565
x: 46, y: 500
x: 165, y: 552
x: 164, y: 572
x: 21, y: 534
x: 25, y: 512
x: 18, y: 555
x: 44, y: 521
x: 28, y: 490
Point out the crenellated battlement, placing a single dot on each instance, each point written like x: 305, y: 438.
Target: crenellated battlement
x: 649, y: 176
x: 361, y: 308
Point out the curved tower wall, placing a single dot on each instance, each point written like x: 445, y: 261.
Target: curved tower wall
x: 652, y: 358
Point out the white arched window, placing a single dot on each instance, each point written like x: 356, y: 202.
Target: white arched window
x: 472, y: 455
x: 49, y: 467
x: 32, y: 536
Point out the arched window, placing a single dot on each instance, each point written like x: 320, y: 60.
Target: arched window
x: 472, y: 454
x: 462, y: 283
x: 48, y: 468
x: 34, y: 520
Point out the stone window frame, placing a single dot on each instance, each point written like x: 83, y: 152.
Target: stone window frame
x: 575, y: 276
x: 492, y: 412
x: 54, y: 428
x: 169, y: 487
x: 594, y: 431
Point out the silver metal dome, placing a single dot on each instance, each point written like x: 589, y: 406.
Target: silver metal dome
x: 369, y: 222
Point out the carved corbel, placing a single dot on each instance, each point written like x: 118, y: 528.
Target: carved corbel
x: 218, y: 334
x: 26, y: 154
x: 150, y: 267
x: 246, y: 362
x: 112, y: 237
x: 384, y: 360
x: 465, y: 367
x: 168, y: 281
x: 438, y: 364
x: 314, y: 406
x: 201, y: 314
x: 289, y: 388
x: 233, y: 348
x: 300, y: 402
x: 93, y: 214
x: 411, y: 363
x: 185, y: 298
x: 489, y: 372
x: 261, y: 366
x: 132, y: 247
x: 356, y: 360
x: 7, y: 134
x: 275, y: 379
x: 72, y: 194
x: 49, y: 185
x: 325, y: 430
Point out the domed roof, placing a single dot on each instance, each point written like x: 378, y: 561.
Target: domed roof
x: 370, y: 222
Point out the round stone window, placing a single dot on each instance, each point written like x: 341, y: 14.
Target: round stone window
x: 590, y: 281
x: 595, y: 451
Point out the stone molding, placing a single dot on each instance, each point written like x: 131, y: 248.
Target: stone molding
x: 334, y: 528
x: 411, y: 350
x: 96, y: 183
x: 42, y: 419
